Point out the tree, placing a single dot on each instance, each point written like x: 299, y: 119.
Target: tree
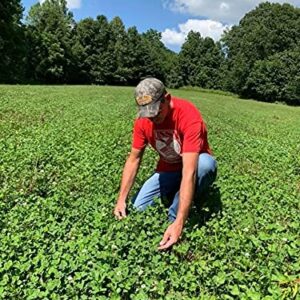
x: 268, y: 30
x: 160, y: 60
x: 11, y: 41
x: 50, y: 28
x: 91, y: 50
x: 276, y: 78
x: 116, y: 51
x: 136, y: 57
x: 200, y: 60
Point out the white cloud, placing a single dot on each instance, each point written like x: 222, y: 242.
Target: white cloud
x: 72, y: 4
x: 172, y: 37
x: 207, y: 28
x: 225, y: 11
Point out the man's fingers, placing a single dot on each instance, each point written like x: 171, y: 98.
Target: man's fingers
x: 170, y: 237
x: 123, y: 213
x: 120, y: 213
x: 165, y: 238
x: 168, y: 244
x: 117, y: 214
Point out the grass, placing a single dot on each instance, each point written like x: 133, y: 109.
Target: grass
x: 62, y: 154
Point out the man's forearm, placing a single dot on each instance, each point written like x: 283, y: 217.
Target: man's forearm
x: 173, y: 232
x: 186, y: 194
x: 128, y: 177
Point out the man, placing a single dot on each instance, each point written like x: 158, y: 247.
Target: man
x: 175, y: 129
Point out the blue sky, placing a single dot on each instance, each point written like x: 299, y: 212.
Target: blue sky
x: 173, y: 18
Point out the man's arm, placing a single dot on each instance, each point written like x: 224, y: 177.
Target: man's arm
x: 186, y: 194
x: 129, y: 173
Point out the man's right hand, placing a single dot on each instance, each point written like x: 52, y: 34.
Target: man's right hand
x: 120, y: 210
x: 129, y: 172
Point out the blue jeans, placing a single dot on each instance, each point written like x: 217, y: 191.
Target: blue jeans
x: 165, y: 185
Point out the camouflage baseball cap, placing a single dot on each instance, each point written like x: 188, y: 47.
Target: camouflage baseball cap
x: 148, y: 95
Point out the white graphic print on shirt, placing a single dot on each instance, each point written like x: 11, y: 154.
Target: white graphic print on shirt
x: 168, y: 145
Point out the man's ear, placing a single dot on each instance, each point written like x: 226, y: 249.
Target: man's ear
x: 167, y: 96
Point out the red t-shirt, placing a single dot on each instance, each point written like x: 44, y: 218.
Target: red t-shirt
x: 183, y: 130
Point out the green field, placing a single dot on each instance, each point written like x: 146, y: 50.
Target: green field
x: 62, y: 150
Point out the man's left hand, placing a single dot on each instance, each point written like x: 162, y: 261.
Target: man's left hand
x: 171, y: 236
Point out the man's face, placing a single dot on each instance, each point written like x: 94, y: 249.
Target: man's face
x: 162, y: 113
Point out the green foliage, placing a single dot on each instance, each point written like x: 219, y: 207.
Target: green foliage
x: 277, y: 77
x: 91, y: 50
x: 161, y: 61
x: 62, y: 153
x: 11, y: 36
x: 50, y: 29
x: 258, y: 58
x: 259, y: 43
x: 199, y: 61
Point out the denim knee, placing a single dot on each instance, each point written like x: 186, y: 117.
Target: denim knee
x: 206, y: 164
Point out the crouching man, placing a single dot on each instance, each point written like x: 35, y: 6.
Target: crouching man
x: 175, y: 129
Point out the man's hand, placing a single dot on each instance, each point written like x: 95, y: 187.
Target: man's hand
x: 129, y: 172
x: 171, y: 236
x: 120, y: 210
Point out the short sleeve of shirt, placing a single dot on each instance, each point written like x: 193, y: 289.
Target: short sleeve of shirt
x: 139, y: 140
x: 193, y: 130
x: 193, y: 137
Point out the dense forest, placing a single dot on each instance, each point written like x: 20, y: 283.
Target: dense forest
x: 257, y: 58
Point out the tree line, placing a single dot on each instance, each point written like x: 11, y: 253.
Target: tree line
x: 258, y: 58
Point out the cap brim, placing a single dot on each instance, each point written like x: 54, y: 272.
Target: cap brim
x: 149, y: 111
